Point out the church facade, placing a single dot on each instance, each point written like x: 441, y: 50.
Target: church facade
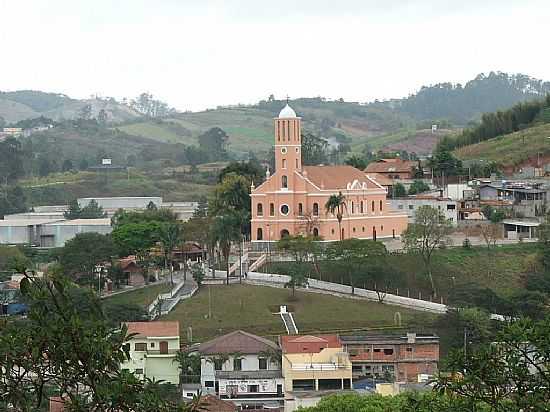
x: 292, y: 200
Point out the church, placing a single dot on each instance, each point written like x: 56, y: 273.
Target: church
x: 292, y: 200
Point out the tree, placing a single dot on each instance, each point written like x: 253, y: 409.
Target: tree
x: 170, y: 236
x: 202, y: 208
x: 67, y: 165
x: 226, y: 230
x: 12, y: 200
x: 116, y: 313
x: 189, y: 364
x: 298, y: 277
x: 351, y: 255
x: 11, y: 161
x: 445, y: 163
x: 429, y: 230
x: 337, y: 203
x: 91, y: 211
x: 81, y: 254
x: 314, y: 149
x: 251, y: 170
x: 509, y: 372
x: 398, y: 190
x: 418, y: 186
x: 490, y: 233
x: 544, y: 244
x: 232, y: 195
x: 75, y: 353
x: 74, y: 211
x: 356, y: 161
x: 198, y: 273
x: 493, y: 214
x: 213, y: 142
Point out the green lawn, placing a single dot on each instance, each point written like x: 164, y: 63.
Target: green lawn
x: 251, y: 308
x: 143, y: 296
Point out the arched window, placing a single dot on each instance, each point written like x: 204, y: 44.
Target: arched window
x: 284, y: 163
x: 300, y: 209
x: 284, y: 233
x: 352, y: 207
x: 361, y: 208
x: 259, y: 234
x: 260, y: 209
x: 284, y: 182
x: 315, y: 232
x: 316, y: 209
x: 372, y: 205
x: 271, y: 209
x: 380, y: 205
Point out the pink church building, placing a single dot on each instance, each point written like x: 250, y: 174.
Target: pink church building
x: 292, y: 200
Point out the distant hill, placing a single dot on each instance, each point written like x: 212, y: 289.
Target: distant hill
x: 28, y: 104
x: 463, y: 103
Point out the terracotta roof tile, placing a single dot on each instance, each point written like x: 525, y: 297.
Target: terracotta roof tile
x: 237, y: 341
x: 209, y: 403
x: 154, y: 328
x: 308, y: 343
x: 381, y: 179
x: 335, y: 177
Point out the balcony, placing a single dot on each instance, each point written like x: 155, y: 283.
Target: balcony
x: 152, y: 353
x: 308, y: 367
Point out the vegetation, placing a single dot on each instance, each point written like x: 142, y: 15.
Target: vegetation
x: 81, y: 254
x: 252, y: 309
x: 75, y: 354
x: 91, y: 211
x: 337, y: 203
x: 142, y: 297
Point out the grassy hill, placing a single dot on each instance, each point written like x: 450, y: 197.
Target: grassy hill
x: 252, y: 308
x: 511, y: 150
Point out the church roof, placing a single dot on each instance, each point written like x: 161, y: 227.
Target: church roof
x: 336, y: 177
x: 287, y: 113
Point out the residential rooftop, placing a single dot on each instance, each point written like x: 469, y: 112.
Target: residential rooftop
x: 154, y: 329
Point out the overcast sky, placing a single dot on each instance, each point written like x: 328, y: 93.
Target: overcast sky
x: 196, y: 54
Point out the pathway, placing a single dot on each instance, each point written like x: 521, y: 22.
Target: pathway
x: 165, y: 302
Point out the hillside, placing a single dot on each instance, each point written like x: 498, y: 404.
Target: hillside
x: 28, y: 104
x: 512, y: 150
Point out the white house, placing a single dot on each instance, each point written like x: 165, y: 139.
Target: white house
x: 410, y: 205
x: 153, y: 350
x: 244, y: 368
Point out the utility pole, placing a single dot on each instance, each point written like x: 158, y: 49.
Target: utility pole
x: 209, y: 302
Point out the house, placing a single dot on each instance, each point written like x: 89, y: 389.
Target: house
x: 244, y: 368
x: 395, y: 169
x: 392, y: 357
x: 520, y: 228
x: 313, y: 366
x: 528, y: 199
x: 133, y: 273
x: 410, y: 205
x: 209, y: 403
x: 292, y: 200
x: 153, y: 350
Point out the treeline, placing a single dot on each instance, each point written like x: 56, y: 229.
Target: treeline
x: 519, y: 117
x: 464, y: 103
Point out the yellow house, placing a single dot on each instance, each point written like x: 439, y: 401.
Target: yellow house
x: 153, y: 350
x: 314, y: 363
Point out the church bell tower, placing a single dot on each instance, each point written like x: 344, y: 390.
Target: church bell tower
x: 288, y: 145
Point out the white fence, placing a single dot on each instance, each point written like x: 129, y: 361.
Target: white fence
x: 345, y: 290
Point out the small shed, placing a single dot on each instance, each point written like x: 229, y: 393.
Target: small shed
x: 520, y: 229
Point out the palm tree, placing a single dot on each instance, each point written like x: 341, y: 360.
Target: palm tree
x: 170, y: 236
x: 337, y: 203
x: 226, y: 230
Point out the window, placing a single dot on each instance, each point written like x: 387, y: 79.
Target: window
x: 450, y: 207
x: 283, y: 150
x: 140, y: 347
x: 284, y: 163
x: 382, y: 228
x: 152, y: 344
x: 262, y: 363
x: 315, y: 232
x: 284, y: 182
x: 285, y: 209
x: 271, y: 209
x: 303, y: 385
x: 388, y: 351
x: 296, y: 161
x: 189, y: 394
x: 380, y: 205
x: 372, y: 205
x: 376, y: 350
x: 332, y: 231
x: 253, y: 388
x: 300, y: 210
x: 237, y: 364
x: 209, y: 384
x: 138, y: 371
x: 363, y: 228
x: 260, y: 209
x: 353, y: 230
x: 361, y: 209
x: 297, y: 150
x: 400, y: 206
x: 409, y: 349
x: 316, y: 209
x: 259, y: 234
x: 411, y: 207
x: 218, y: 364
x: 352, y: 207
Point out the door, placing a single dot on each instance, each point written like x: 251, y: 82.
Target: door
x: 163, y: 347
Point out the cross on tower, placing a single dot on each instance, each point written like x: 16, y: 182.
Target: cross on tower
x: 287, y: 99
